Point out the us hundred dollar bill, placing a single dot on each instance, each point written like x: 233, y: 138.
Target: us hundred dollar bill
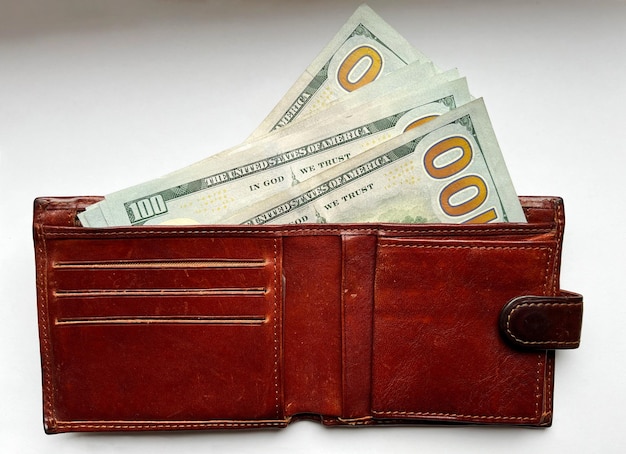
x: 365, y: 49
x: 213, y: 190
x: 407, y: 81
x: 448, y: 170
x: 413, y: 83
x: 412, y: 80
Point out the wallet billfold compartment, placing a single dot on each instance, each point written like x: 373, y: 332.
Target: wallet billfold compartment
x: 225, y: 327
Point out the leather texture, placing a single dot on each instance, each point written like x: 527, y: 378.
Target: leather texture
x: 229, y: 327
x: 543, y: 322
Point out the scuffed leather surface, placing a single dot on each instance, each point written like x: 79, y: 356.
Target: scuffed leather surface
x: 224, y: 327
x: 466, y: 371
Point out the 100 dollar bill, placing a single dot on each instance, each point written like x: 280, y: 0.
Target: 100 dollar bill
x: 365, y: 49
x: 219, y: 186
x: 448, y: 170
x: 410, y: 80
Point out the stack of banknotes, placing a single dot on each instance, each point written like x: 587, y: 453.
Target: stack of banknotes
x: 372, y: 131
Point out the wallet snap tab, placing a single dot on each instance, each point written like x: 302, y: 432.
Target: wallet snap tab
x: 543, y: 322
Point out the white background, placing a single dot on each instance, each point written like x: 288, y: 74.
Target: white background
x: 99, y: 95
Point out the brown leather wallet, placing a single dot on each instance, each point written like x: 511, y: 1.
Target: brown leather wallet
x: 224, y: 327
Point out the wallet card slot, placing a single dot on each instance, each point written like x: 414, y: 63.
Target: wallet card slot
x: 203, y: 320
x: 152, y: 292
x: 161, y: 264
x: 194, y: 280
x: 108, y: 305
x: 166, y: 373
x: 213, y: 306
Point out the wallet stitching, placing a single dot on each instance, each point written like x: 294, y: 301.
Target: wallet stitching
x: 303, y: 230
x: 538, y: 395
x: 546, y: 342
x: 550, y: 255
x: 465, y: 247
x: 549, y: 386
x: 454, y: 415
x: 538, y: 384
x: 45, y: 337
x: 275, y: 332
x: 165, y: 425
x: 560, y: 229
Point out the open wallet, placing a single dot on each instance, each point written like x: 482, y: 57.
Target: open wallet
x: 239, y: 327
